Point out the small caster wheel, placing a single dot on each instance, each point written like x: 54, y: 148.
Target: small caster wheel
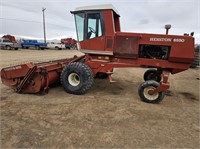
x: 145, y: 90
x: 152, y: 74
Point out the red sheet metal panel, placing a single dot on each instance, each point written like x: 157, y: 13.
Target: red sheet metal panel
x: 126, y: 46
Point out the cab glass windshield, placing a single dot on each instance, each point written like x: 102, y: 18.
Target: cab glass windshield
x: 79, y: 18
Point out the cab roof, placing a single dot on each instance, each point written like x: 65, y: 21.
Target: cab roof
x: 97, y: 7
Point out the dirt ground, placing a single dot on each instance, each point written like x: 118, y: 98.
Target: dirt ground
x: 108, y: 116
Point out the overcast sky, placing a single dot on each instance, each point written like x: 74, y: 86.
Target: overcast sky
x: 24, y: 17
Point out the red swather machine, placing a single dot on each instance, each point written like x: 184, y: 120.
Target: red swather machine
x: 9, y: 37
x: 69, y: 42
x: 106, y: 48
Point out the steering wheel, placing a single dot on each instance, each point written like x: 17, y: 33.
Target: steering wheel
x: 92, y: 30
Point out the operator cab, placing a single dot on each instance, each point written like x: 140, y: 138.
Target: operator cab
x: 95, y: 27
x: 99, y: 33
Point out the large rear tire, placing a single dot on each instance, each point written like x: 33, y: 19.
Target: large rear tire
x: 145, y: 90
x: 77, y: 78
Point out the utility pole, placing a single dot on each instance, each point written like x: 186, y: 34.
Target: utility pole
x: 43, y: 9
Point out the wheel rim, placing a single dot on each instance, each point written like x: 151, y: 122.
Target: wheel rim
x: 74, y: 79
x: 147, y: 94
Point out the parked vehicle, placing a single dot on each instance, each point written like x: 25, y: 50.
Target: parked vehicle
x: 53, y: 45
x: 33, y: 43
x: 69, y: 43
x: 8, y: 45
x: 11, y: 38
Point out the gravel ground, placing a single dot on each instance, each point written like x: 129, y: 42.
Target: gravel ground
x: 108, y: 116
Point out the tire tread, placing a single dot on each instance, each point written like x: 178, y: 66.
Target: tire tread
x: 83, y: 68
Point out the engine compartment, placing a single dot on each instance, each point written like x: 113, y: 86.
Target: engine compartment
x: 154, y: 52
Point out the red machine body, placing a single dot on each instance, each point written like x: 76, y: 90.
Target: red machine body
x: 106, y: 47
x: 126, y: 48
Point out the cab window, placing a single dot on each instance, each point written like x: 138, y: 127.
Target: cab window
x: 94, y: 26
x: 79, y: 18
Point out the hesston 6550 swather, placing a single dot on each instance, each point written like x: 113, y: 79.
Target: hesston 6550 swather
x: 106, y: 48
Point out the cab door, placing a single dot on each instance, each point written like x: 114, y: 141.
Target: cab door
x: 94, y: 33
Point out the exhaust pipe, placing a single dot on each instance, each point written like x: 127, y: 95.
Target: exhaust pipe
x: 167, y: 27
